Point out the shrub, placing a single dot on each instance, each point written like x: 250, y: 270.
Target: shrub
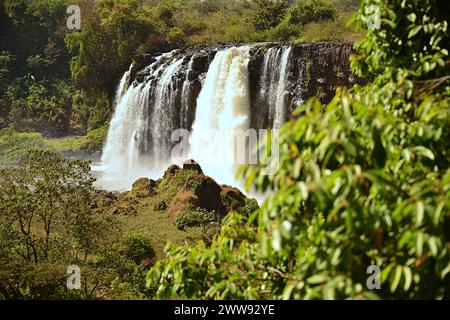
x: 196, y: 217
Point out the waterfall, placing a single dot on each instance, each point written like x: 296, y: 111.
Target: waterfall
x: 186, y: 93
x: 174, y: 88
x: 123, y: 85
x: 138, y: 142
x: 273, y: 84
x: 165, y: 111
x: 223, y: 107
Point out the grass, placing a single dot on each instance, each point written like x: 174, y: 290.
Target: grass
x: 14, y: 145
x: 159, y: 228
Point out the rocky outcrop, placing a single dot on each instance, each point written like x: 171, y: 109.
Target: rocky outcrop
x: 143, y: 188
x: 192, y: 165
x: 182, y: 192
x: 313, y: 70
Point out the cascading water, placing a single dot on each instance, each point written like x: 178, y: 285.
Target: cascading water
x: 123, y: 85
x: 222, y: 108
x: 273, y: 92
x: 138, y: 142
x: 139, y: 139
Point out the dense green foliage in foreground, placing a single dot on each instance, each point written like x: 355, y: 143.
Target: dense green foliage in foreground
x: 365, y: 182
x: 57, y: 82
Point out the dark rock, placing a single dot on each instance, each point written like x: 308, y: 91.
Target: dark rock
x: 140, y: 61
x: 173, y: 169
x: 192, y: 165
x: 232, y: 198
x: 181, y: 226
x: 314, y: 70
x: 143, y: 188
x: 208, y: 194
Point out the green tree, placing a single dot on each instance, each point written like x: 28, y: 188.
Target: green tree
x: 46, y: 224
x: 269, y: 13
x: 104, y: 48
x: 5, y: 61
x: 299, y: 15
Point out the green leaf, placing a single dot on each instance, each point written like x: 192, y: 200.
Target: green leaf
x: 419, y: 244
x: 397, y: 278
x: 424, y: 152
x: 420, y: 213
x: 317, y: 279
x: 411, y: 17
x: 414, y: 31
x: 433, y: 246
x: 408, y: 278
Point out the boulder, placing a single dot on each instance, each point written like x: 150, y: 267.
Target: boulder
x: 173, y: 169
x: 143, y: 188
x: 184, y: 200
x: 192, y: 165
x: 208, y: 194
x: 232, y: 198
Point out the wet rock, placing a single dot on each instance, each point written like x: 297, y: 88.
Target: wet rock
x: 314, y: 70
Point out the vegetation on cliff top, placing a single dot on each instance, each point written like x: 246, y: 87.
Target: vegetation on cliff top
x: 60, y: 82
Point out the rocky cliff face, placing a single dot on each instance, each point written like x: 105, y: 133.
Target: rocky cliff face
x: 311, y: 70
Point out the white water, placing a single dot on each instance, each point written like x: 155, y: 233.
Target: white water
x: 273, y: 84
x: 122, y: 162
x: 223, y: 105
x: 138, y: 143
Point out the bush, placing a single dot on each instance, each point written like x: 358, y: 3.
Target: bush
x: 195, y: 217
x: 339, y: 30
x: 95, y: 139
x: 138, y: 248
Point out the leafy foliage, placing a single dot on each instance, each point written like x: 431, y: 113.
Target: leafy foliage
x: 364, y: 181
